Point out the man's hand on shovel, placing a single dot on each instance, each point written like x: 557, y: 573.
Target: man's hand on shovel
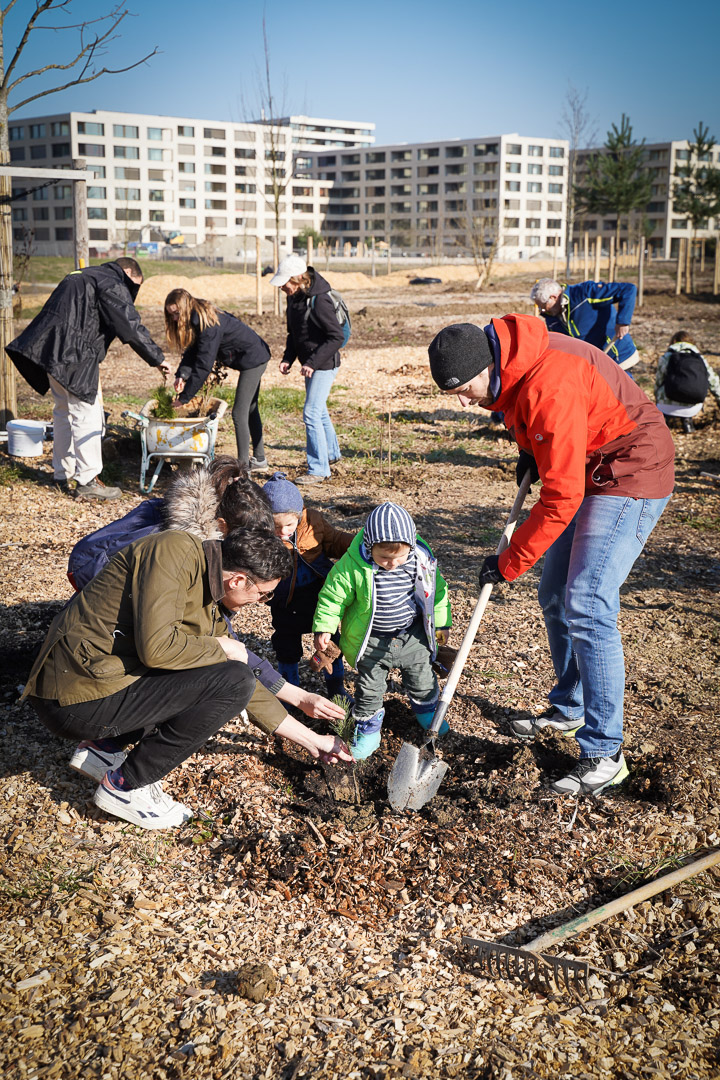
x: 490, y: 573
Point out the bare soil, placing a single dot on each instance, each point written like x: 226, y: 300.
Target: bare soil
x: 290, y: 932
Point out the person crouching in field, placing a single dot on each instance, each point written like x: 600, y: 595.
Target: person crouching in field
x: 392, y: 605
x: 206, y: 336
x: 314, y: 544
x: 683, y: 379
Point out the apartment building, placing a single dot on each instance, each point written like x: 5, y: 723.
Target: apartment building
x: 668, y: 227
x: 161, y: 177
x: 448, y: 197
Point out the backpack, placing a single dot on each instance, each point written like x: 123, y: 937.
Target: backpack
x: 686, y: 379
x: 90, y: 554
x: 341, y: 313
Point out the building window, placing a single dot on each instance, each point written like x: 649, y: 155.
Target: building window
x: 61, y: 149
x: 215, y: 170
x: 156, y: 174
x: 186, y: 132
x: 456, y: 170
x: 37, y: 131
x: 37, y: 152
x: 244, y: 152
x: 127, y: 194
x: 98, y: 234
x: 513, y: 148
x: 187, y: 185
x: 126, y: 131
x: 41, y: 194
x: 186, y: 166
x: 86, y: 149
x: 155, y: 134
x: 213, y: 133
x: 245, y: 189
x: 85, y: 128
x: 21, y: 214
x: 186, y: 149
x: 554, y: 223
x: 187, y: 204
x: 60, y: 128
x: 97, y: 212
x: 156, y: 154
x: 63, y: 191
x: 456, y: 151
x: 535, y: 151
x: 97, y: 193
x: 511, y: 223
x: 374, y: 156
x: 557, y: 151
x: 534, y: 186
x: 63, y: 234
x: 157, y: 215
x: 535, y: 170
x: 512, y: 185
x: 131, y: 152
x: 350, y: 159
x: 512, y: 167
x: 512, y: 204
x: 17, y: 153
x: 682, y: 155
x: 122, y: 213
x: 556, y: 170
x: 211, y: 185
x: 427, y: 152
x: 326, y: 160
x: 63, y: 213
x: 483, y: 149
x: 216, y: 151
x: 534, y: 204
x: 553, y: 207
x: 121, y: 173
x: 42, y: 234
x: 555, y: 189
x: 17, y: 133
x: 215, y: 204
x: 400, y: 174
x: 533, y: 241
x: 156, y: 195
x: 375, y: 174
x: 401, y: 155
x: 679, y: 223
x: 532, y: 223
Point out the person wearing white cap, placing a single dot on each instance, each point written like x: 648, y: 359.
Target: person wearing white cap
x: 315, y: 337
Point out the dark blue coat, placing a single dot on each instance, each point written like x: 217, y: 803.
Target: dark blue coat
x: 591, y: 315
x: 231, y: 342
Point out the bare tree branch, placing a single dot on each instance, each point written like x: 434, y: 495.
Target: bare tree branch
x: 8, y: 8
x: 42, y: 7
x: 79, y: 81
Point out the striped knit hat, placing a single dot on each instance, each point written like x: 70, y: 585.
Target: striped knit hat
x: 389, y: 524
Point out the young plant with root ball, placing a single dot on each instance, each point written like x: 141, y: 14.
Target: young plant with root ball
x: 345, y: 730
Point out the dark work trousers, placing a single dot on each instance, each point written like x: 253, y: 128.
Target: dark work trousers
x: 291, y: 619
x: 246, y: 415
x: 168, y: 715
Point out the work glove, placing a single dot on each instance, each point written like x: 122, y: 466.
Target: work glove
x: 524, y: 462
x: 489, y: 572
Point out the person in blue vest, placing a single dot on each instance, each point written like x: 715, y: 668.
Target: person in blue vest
x: 587, y: 311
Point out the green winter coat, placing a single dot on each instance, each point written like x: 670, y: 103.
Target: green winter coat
x: 348, y: 598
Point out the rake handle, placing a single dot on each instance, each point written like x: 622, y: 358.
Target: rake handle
x: 469, y: 639
x: 591, y: 918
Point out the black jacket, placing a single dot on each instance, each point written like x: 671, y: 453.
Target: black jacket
x: 230, y: 342
x: 70, y: 337
x: 314, y: 334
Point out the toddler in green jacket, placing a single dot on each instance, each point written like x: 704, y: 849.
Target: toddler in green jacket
x: 393, y: 609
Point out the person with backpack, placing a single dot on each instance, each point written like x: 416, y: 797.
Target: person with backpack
x: 587, y: 311
x: 206, y: 337
x: 318, y: 326
x: 683, y: 379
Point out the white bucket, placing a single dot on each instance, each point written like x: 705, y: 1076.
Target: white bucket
x: 25, y: 437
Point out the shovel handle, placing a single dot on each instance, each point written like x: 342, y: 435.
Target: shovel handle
x: 469, y: 639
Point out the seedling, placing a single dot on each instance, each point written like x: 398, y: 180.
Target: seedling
x: 164, y: 408
x: 345, y: 730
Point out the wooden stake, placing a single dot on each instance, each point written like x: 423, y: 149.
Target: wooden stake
x: 372, y: 258
x: 309, y: 259
x: 586, y: 256
x: 576, y: 258
x: 641, y: 272
x: 611, y: 260
x: 688, y: 264
x: 702, y: 256
x: 680, y: 264
x: 276, y: 292
x: 554, y: 269
x: 598, y: 253
x: 389, y: 444
x: 258, y: 277
x: 716, y: 275
x: 389, y: 258
x: 82, y: 245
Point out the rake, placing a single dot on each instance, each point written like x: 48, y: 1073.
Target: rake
x: 529, y: 963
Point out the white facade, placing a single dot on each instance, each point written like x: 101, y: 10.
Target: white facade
x: 158, y: 177
x: 445, y: 197
x: 669, y: 227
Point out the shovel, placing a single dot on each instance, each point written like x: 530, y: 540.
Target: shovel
x: 417, y: 775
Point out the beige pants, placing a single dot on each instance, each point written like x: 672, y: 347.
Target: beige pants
x: 78, y: 429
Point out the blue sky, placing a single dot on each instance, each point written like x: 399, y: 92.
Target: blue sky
x: 420, y: 71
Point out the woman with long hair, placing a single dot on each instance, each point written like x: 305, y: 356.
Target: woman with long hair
x: 206, y: 336
x: 315, y: 337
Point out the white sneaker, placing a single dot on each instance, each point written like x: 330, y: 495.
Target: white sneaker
x: 592, y: 775
x: 91, y: 761
x: 552, y: 718
x: 149, y: 806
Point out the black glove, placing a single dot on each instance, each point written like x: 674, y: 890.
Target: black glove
x: 489, y: 573
x: 524, y: 462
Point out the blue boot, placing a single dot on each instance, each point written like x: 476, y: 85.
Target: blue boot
x: 289, y: 672
x: 367, y: 735
x: 424, y: 715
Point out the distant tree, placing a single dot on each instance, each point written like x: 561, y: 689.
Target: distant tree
x: 93, y: 36
x: 579, y: 129
x: 302, y: 238
x: 696, y: 192
x: 616, y: 181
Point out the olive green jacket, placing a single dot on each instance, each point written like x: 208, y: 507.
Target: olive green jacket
x: 154, y: 606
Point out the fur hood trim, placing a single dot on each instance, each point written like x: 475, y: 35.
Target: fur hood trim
x: 192, y: 505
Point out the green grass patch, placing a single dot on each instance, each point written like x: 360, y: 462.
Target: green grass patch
x: 10, y: 474
x: 279, y: 401
x: 53, y: 268
x: 703, y: 524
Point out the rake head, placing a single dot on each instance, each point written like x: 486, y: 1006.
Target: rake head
x: 506, y: 962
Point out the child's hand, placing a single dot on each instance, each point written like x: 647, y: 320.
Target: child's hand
x: 321, y: 642
x: 442, y: 636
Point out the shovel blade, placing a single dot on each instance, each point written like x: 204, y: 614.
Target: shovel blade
x: 415, y: 778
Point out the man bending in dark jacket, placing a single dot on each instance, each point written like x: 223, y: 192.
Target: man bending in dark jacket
x: 61, y: 351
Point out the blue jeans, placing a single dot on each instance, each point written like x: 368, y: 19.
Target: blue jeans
x: 579, y: 594
x: 321, y: 440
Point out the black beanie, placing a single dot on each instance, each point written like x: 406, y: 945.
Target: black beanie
x: 458, y: 354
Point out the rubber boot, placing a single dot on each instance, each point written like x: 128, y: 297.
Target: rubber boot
x: 367, y: 735
x: 424, y: 716
x: 289, y: 672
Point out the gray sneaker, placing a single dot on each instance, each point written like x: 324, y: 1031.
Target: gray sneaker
x: 552, y: 718
x: 97, y: 490
x: 149, y: 807
x: 592, y: 775
x: 310, y: 478
x: 258, y: 466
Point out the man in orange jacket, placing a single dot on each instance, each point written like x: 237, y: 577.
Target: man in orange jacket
x: 605, y: 458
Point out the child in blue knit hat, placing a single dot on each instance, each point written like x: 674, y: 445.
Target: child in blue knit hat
x: 314, y: 544
x: 393, y: 607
